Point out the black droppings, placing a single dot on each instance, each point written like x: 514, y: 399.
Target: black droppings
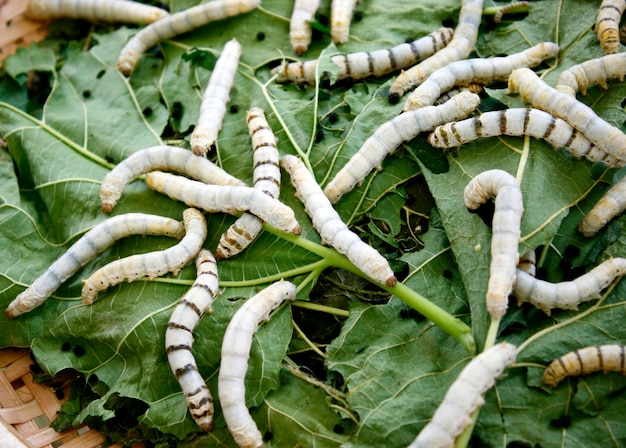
x: 448, y: 22
x: 100, y: 74
x: 66, y: 347
x: 79, y: 350
x: 357, y: 16
x: 233, y: 109
x: 319, y: 136
x: 177, y: 110
x: 260, y: 36
x: 147, y: 111
x: 571, y: 251
x: 394, y: 98
x: 86, y: 93
x: 333, y: 117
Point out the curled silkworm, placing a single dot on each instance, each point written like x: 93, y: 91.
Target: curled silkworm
x: 235, y: 353
x: 300, y: 31
x: 266, y: 177
x: 567, y: 295
x: 376, y: 63
x: 505, y: 237
x: 330, y: 226
x: 94, y: 10
x: 592, y: 72
x: 179, y: 339
x: 612, y: 204
x: 464, y: 396
x: 479, y: 70
x: 601, y: 358
x: 340, y: 18
x: 179, y: 23
x: 497, y: 17
x: 528, y: 263
x: 152, y: 264
x: 459, y: 48
x: 518, y: 122
x: 167, y: 158
x: 227, y: 199
x: 607, y: 24
x: 216, y: 95
x: 541, y: 96
x: 391, y: 134
x: 92, y: 243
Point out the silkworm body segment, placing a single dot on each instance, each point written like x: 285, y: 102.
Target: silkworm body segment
x: 235, y: 353
x: 505, y: 232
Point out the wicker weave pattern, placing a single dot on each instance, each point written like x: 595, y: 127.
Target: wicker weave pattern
x: 15, y: 29
x: 27, y: 407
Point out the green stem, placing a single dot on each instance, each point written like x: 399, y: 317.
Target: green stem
x: 444, y: 320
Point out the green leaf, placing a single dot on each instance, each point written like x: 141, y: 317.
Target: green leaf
x: 378, y: 379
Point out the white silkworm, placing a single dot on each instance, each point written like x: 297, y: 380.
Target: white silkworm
x: 391, y: 134
x: 612, y: 204
x: 266, y: 177
x: 518, y: 122
x: 216, y: 95
x: 478, y: 89
x: 541, y: 96
x: 497, y: 17
x: 235, y: 353
x: 330, y: 226
x: 123, y: 11
x: 506, y: 231
x: 602, y: 358
x: 607, y: 24
x: 592, y: 72
x: 460, y: 47
x: 567, y: 295
x: 478, y: 70
x: 179, y: 23
x: 528, y: 263
x: 464, y: 396
x: 152, y: 264
x: 340, y: 18
x: 92, y: 243
x: 226, y: 199
x: 179, y: 339
x: 300, y: 31
x: 167, y: 158
x: 376, y: 63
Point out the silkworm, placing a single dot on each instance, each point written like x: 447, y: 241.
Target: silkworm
x: 541, y: 96
x: 459, y: 48
x: 567, y: 295
x: 604, y: 358
x: 612, y: 204
x: 340, y: 18
x: 179, y: 23
x: 92, y: 243
x: 168, y: 158
x: 216, y: 95
x: 226, y: 199
x: 592, y: 72
x: 505, y: 232
x: 151, y: 264
x: 497, y: 18
x: 94, y: 10
x: 607, y: 24
x: 478, y: 70
x: 300, y: 31
x: 179, y: 339
x: 376, y: 63
x: 528, y: 263
x: 266, y: 177
x: 235, y: 353
x: 518, y: 122
x: 330, y: 226
x: 464, y: 396
x: 386, y: 139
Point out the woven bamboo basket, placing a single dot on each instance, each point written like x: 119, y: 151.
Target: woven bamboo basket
x: 27, y: 407
x: 15, y: 29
